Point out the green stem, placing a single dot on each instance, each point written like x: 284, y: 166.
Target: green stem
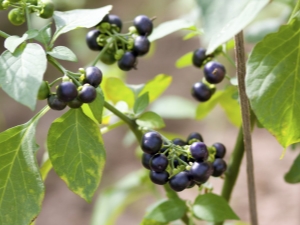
x: 104, y: 130
x: 28, y: 18
x: 102, y: 51
x: 295, y: 10
x: 56, y: 64
x: 3, y: 34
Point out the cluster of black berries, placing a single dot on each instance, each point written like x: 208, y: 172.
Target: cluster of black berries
x: 214, y: 73
x: 183, y: 164
x: 124, y: 48
x: 67, y: 93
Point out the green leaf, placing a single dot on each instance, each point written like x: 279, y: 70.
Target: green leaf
x: 273, y: 85
x: 76, y: 152
x: 78, y: 18
x: 213, y: 208
x: 94, y: 110
x: 112, y: 201
x: 185, y: 60
x: 141, y: 103
x: 165, y: 211
x: 21, y: 185
x: 293, y: 176
x: 156, y: 86
x: 169, y: 27
x: 116, y: 90
x: 174, y: 107
x: 44, y: 35
x: 224, y: 19
x: 63, y: 53
x: 150, y: 120
x: 204, y: 108
x: 12, y: 42
x: 192, y: 34
x: 21, y: 73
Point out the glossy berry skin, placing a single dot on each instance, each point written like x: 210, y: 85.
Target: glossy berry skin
x: 55, y: 103
x: 66, y: 91
x: 194, y: 135
x: 87, y: 94
x: 180, y: 181
x: 200, y: 172
x: 219, y: 166
x: 108, y: 58
x: 159, y: 163
x: 199, y: 57
x: 220, y: 150
x: 201, y: 92
x: 199, y: 151
x: 178, y: 141
x: 91, y: 40
x: 151, y: 142
x: 93, y: 76
x: 214, y: 72
x: 127, y: 62
x: 159, y: 178
x: 143, y: 25
x: 75, y: 103
x: 113, y: 19
x: 141, y: 46
x: 146, y: 160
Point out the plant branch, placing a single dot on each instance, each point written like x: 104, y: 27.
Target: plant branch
x: 246, y: 119
x: 295, y: 10
x: 103, y: 51
x: 3, y: 34
x: 28, y: 19
x: 106, y: 129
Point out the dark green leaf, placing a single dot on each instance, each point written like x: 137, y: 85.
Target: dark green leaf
x: 44, y: 35
x: 213, y: 208
x: 293, y: 176
x: 63, y: 53
x: 76, y: 152
x: 12, y: 42
x: 78, y: 18
x: 273, y: 83
x: 165, y: 211
x: 150, y: 120
x: 21, y: 185
x: 224, y: 19
x: 169, y: 27
x: 21, y: 73
x: 94, y: 110
x: 185, y: 60
x: 141, y: 103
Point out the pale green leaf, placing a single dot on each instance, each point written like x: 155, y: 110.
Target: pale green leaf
x: 169, y: 27
x: 44, y: 35
x: 78, y: 18
x: 141, y: 103
x: 76, y: 152
x: 156, y: 86
x: 21, y: 73
x: 63, y: 53
x: 21, y: 185
x: 185, y: 60
x: 205, y: 107
x: 273, y: 84
x: 12, y: 42
x: 293, y: 176
x: 150, y: 120
x: 224, y: 19
x: 213, y: 208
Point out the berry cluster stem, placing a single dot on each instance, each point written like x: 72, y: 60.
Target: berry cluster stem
x: 246, y: 120
x: 102, y: 52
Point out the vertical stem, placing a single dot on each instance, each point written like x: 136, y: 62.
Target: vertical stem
x: 246, y: 119
x: 28, y: 18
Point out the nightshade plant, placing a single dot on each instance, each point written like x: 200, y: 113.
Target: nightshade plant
x: 75, y: 147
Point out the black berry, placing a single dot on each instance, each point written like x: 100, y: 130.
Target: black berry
x: 201, y: 92
x: 113, y: 19
x: 219, y: 166
x: 159, y: 178
x: 93, y: 76
x: 151, y: 142
x: 199, y: 57
x: 201, y: 171
x: 87, y: 94
x: 75, y: 103
x: 180, y: 181
x: 178, y: 141
x: 220, y: 150
x: 127, y: 62
x: 146, y: 160
x: 199, y: 151
x: 91, y: 40
x: 143, y: 25
x: 66, y: 91
x: 194, y: 135
x: 159, y: 163
x: 55, y: 103
x: 141, y: 45
x: 214, y: 72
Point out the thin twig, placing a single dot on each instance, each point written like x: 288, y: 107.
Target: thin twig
x: 246, y: 118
